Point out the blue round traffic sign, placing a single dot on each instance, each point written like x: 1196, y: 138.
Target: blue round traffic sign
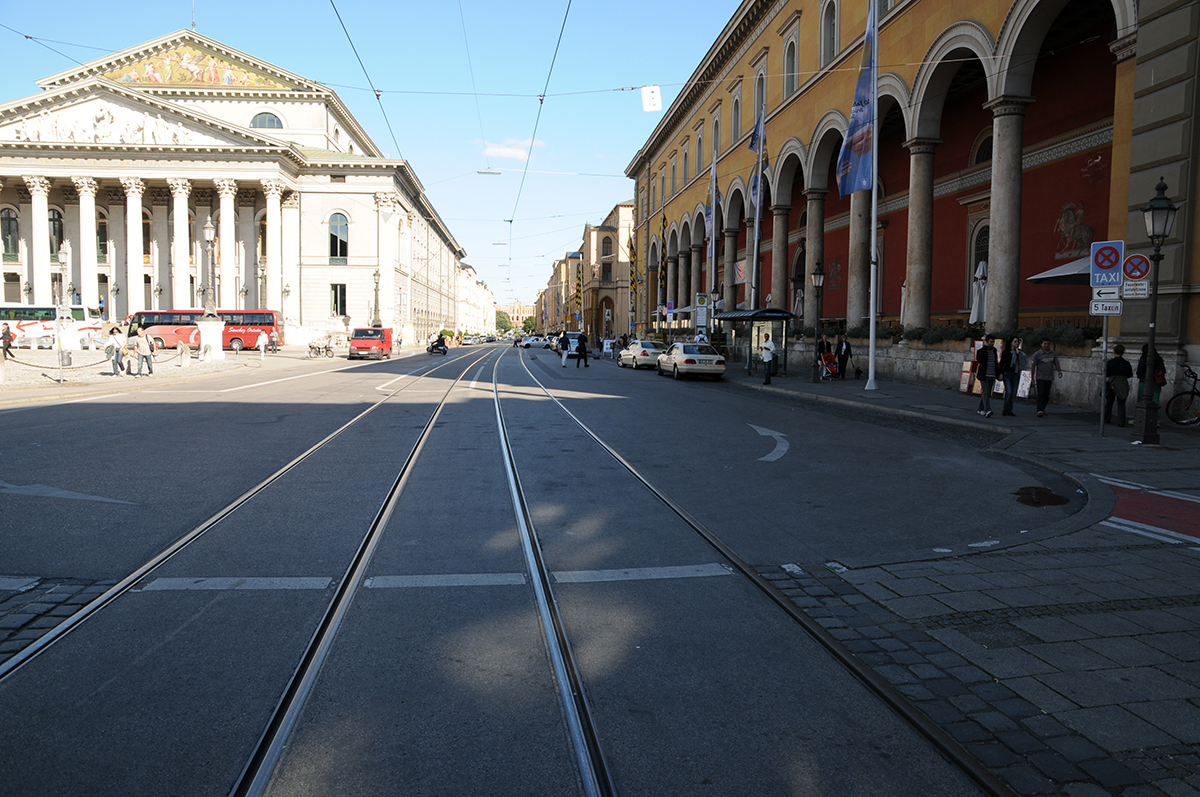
x: 1136, y: 267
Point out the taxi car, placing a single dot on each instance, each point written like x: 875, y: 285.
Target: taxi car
x: 688, y: 359
x: 640, y: 353
x: 371, y: 342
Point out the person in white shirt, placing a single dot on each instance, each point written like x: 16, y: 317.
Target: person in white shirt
x: 117, y: 341
x: 768, y: 354
x: 701, y: 337
x: 262, y: 342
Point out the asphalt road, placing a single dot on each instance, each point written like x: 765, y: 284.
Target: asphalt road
x: 438, y: 685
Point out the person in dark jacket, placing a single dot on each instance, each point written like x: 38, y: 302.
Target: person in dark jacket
x: 1159, y: 367
x: 987, y: 367
x: 1012, y: 363
x: 843, y: 355
x: 1117, y: 373
x: 582, y: 350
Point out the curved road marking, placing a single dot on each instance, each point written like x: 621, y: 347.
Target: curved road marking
x: 781, y: 445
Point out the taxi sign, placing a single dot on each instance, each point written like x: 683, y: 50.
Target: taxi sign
x: 1106, y: 264
x: 1100, y: 307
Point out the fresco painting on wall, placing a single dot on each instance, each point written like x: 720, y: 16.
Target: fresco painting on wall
x: 188, y: 65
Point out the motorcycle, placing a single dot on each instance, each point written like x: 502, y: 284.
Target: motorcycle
x: 437, y: 348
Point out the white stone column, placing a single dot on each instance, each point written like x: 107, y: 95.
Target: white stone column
x: 118, y: 285
x: 181, y: 245
x: 134, y: 282
x: 227, y: 242
x: 779, y: 257
x: 918, y: 276
x: 858, y: 277
x: 39, y: 192
x: 273, y: 191
x: 290, y: 254
x: 387, y: 210
x: 247, y: 248
x: 87, y: 245
x: 728, y: 287
x: 160, y: 256
x: 1004, y: 243
x: 814, y: 241
x: 683, y: 279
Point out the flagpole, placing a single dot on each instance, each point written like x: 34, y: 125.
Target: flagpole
x: 752, y: 304
x: 874, y: 32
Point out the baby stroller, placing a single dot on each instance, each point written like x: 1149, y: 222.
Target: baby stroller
x: 829, y: 367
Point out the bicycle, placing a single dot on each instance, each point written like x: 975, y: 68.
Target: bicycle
x: 1184, y: 408
x: 320, y: 348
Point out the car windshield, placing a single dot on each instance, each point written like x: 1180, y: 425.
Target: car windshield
x: 368, y: 334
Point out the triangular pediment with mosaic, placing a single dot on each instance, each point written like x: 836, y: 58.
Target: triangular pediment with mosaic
x: 97, y: 112
x: 185, y: 59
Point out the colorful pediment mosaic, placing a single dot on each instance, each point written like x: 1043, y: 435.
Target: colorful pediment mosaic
x: 190, y: 66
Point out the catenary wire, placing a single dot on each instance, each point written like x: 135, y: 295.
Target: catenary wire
x: 378, y: 94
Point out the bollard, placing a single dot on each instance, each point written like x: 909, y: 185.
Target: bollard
x: 185, y: 356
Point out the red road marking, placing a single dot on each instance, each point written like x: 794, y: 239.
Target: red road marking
x: 1163, y: 511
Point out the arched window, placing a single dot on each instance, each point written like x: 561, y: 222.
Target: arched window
x: 673, y: 189
x: 983, y: 153
x: 10, y: 234
x: 606, y: 247
x: 829, y: 33
x: 699, y: 153
x: 339, y: 239
x: 789, y: 70
x: 57, y: 233
x: 653, y: 194
x: 716, y: 137
x: 686, y: 173
x: 737, y: 118
x: 262, y: 239
x: 662, y: 189
x: 267, y: 120
x: 101, y: 237
x: 980, y: 249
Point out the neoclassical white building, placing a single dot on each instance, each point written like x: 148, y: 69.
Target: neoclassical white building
x: 121, y: 164
x: 476, y: 304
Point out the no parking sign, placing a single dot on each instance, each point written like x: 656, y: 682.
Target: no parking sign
x: 1106, y: 263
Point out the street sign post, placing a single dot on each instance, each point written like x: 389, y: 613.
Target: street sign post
x: 1102, y: 307
x: 1106, y: 263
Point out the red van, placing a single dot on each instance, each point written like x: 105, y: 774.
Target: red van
x: 371, y: 342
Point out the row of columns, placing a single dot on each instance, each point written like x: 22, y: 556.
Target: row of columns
x: 129, y: 275
x: 1004, y: 244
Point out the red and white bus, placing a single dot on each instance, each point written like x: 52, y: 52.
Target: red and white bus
x: 171, y: 328
x: 33, y: 326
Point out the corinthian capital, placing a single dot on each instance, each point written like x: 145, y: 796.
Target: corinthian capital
x: 387, y: 202
x: 38, y: 186
x: 226, y: 187
x: 180, y: 187
x: 134, y: 186
x: 86, y: 186
x: 272, y: 188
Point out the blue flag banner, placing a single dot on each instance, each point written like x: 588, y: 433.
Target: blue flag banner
x: 858, y: 148
x: 756, y: 135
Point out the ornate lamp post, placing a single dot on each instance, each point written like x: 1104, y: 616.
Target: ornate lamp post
x: 62, y: 313
x: 207, y: 290
x: 1159, y: 215
x: 158, y: 294
x: 262, y: 285
x: 376, y: 321
x: 818, y: 281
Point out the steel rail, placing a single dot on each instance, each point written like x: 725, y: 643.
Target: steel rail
x: 44, y: 642
x: 942, y: 741
x: 260, y: 767
x: 597, y: 779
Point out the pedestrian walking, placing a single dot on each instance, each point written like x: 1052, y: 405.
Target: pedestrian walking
x: 1160, y: 373
x: 1012, y: 362
x: 1044, y: 366
x: 116, y: 342
x: 1117, y: 373
x: 275, y: 341
x: 144, y: 347
x: 582, y: 350
x: 564, y: 346
x: 6, y: 342
x: 987, y: 366
x: 701, y: 337
x: 261, y: 343
x: 843, y: 355
x: 768, y: 358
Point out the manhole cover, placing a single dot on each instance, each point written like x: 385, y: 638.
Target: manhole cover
x: 1039, y: 496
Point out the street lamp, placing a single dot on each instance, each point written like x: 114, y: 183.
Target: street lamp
x: 262, y: 281
x: 210, y: 304
x: 818, y: 281
x: 62, y: 314
x: 158, y: 294
x: 376, y: 321
x: 243, y: 292
x: 1159, y: 215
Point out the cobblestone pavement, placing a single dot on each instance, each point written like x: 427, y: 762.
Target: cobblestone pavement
x: 1067, y: 666
x: 29, y: 607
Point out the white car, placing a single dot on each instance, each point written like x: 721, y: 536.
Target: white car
x: 640, y: 353
x: 687, y: 359
x: 534, y: 342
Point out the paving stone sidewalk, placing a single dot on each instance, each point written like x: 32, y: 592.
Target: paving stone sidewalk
x: 29, y: 607
x: 1067, y: 666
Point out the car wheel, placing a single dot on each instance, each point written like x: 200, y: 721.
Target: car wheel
x: 659, y: 367
x: 675, y: 372
x: 236, y: 344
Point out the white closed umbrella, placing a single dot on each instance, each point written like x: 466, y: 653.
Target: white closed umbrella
x: 979, y: 294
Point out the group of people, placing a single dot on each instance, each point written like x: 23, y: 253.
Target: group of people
x: 581, y: 349
x: 137, y: 350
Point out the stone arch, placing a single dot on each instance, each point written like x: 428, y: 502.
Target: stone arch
x: 736, y: 202
x: 789, y: 161
x: 938, y: 70
x: 826, y: 141
x: 1021, y: 37
x: 894, y: 92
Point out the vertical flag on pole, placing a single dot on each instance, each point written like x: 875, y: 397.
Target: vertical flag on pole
x: 858, y: 149
x: 710, y: 212
x: 758, y: 144
x: 662, y: 261
x: 633, y: 257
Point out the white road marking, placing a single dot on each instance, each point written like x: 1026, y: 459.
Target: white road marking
x: 279, y: 582
x: 641, y: 573
x: 447, y: 580
x: 16, y: 583
x: 1146, y: 488
x: 942, y: 550
x: 76, y: 401
x: 476, y: 379
x: 289, y: 378
x: 781, y: 445
x: 385, y: 385
x: 1146, y: 530
x: 984, y: 544
x: 45, y: 491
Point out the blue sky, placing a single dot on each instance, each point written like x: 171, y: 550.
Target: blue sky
x: 588, y: 132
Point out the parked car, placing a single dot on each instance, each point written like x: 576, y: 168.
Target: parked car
x: 691, y: 359
x: 640, y: 353
x: 371, y: 342
x: 534, y: 342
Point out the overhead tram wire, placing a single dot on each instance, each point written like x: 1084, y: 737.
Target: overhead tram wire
x: 371, y: 83
x: 474, y: 88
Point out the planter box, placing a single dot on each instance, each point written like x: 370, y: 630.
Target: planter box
x: 963, y: 346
